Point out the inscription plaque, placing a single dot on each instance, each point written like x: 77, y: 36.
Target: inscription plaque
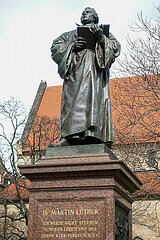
x: 71, y: 220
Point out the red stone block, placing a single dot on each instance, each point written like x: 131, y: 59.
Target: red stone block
x: 79, y: 197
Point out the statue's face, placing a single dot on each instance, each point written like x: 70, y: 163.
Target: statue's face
x: 87, y: 16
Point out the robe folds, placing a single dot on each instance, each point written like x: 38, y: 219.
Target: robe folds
x: 85, y: 103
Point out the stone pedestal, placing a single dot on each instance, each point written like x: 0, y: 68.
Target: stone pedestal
x: 80, y: 197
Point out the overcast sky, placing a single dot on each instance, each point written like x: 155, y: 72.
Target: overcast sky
x: 28, y: 27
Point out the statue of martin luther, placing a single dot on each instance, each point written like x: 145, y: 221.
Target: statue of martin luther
x: 84, y: 57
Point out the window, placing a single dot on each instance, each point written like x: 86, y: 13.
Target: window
x: 6, y: 181
x: 152, y: 159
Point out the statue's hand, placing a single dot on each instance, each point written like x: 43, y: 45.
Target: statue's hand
x: 79, y: 44
x: 97, y: 32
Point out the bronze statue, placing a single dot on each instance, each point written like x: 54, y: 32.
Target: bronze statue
x: 84, y: 57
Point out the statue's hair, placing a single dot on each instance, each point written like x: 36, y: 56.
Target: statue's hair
x: 95, y: 15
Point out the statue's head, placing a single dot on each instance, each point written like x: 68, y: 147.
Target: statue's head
x: 89, y: 15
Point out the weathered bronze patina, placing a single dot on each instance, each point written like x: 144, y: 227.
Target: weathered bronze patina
x: 84, y: 65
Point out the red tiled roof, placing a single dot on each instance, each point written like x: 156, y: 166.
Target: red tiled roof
x: 10, y: 191
x: 151, y: 184
x: 49, y: 107
x: 135, y: 110
x: 125, y: 110
x: 51, y: 102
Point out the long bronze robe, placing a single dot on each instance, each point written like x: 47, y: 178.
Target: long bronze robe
x: 85, y: 103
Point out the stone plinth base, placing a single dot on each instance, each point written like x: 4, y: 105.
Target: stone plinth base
x: 78, y: 150
x: 80, y: 197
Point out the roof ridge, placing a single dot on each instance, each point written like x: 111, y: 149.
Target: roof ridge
x: 33, y: 111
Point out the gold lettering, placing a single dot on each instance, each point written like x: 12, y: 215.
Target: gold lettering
x: 71, y: 212
x: 56, y: 223
x: 86, y: 212
x: 70, y: 223
x: 96, y: 211
x: 82, y: 229
x: 70, y: 229
x: 60, y: 212
x: 66, y: 228
x: 53, y: 212
x: 92, y: 229
x: 45, y: 213
x: 60, y: 235
x: 88, y: 222
x: 48, y: 235
x: 50, y: 229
